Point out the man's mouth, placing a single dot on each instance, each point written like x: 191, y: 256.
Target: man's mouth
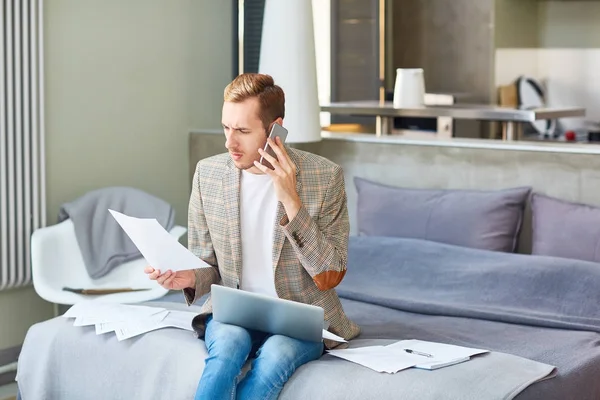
x: 236, y: 156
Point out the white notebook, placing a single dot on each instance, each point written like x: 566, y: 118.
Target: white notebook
x: 435, y: 355
x: 406, y: 354
x: 441, y: 364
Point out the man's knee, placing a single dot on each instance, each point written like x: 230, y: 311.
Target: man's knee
x: 228, y: 342
x: 288, y: 353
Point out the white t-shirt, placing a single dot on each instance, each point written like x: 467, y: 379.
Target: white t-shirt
x: 258, y: 210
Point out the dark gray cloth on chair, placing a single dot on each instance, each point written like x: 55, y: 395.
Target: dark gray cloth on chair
x: 104, y: 245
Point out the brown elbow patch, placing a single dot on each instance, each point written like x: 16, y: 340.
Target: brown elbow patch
x: 329, y: 279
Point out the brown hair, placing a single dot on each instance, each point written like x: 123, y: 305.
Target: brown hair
x: 270, y: 96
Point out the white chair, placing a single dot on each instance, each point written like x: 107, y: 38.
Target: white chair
x: 56, y: 262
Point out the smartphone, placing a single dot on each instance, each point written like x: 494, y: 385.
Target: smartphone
x: 276, y: 131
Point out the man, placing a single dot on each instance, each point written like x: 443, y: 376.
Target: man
x: 281, y: 232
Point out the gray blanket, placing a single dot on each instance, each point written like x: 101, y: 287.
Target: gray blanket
x: 432, y: 278
x: 60, y: 361
x: 490, y: 376
x: 102, y: 242
x: 394, y: 289
x: 540, y: 308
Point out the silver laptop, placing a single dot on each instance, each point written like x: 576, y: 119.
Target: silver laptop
x: 267, y: 314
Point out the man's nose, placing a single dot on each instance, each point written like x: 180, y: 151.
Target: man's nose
x: 229, y: 142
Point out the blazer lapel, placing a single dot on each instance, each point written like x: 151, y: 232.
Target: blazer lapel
x: 231, y: 194
x: 278, y: 235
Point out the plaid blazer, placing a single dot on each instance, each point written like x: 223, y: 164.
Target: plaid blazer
x: 309, y: 252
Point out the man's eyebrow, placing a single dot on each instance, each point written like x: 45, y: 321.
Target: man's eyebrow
x: 239, y: 128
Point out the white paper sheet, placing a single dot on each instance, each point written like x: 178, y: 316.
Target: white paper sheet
x: 106, y: 327
x: 377, y: 358
x: 126, y: 320
x: 443, y: 354
x: 330, y: 336
x: 440, y: 351
x: 180, y: 319
x: 171, y: 319
x: 161, y: 250
x: 129, y: 329
x: 393, y: 358
x: 92, y: 312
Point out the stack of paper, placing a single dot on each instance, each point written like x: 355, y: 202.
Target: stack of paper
x: 407, y: 354
x: 127, y: 321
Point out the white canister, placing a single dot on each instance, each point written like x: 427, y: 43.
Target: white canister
x: 409, y: 90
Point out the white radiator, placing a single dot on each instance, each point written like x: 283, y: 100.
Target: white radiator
x: 22, y: 181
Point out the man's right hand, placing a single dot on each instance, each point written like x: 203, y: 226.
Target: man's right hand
x: 172, y: 280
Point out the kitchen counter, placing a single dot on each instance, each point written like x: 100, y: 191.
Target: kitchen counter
x: 514, y: 118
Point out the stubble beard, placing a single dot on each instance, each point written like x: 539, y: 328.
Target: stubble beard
x: 245, y: 166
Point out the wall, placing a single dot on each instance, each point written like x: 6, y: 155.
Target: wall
x: 116, y: 97
x: 19, y: 309
x: 547, y: 24
x: 124, y: 82
x: 210, y: 51
x: 565, y: 56
x: 570, y: 24
x: 516, y: 24
x: 470, y: 165
x: 570, y: 77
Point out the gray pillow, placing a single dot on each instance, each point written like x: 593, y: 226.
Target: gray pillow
x: 565, y: 229
x: 488, y: 220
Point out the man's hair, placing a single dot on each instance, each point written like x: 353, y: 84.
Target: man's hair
x: 270, y: 96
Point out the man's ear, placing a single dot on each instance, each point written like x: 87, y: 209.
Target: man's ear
x: 279, y: 121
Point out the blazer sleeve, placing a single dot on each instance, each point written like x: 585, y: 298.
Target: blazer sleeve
x: 200, y: 244
x: 323, y: 247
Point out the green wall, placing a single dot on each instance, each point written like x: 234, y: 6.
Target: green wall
x: 125, y: 80
x: 570, y: 24
x: 547, y: 24
x: 516, y: 24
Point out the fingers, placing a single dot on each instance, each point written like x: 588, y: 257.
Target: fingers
x: 280, y: 164
x: 280, y: 152
x: 168, y: 282
x: 162, y: 278
x: 272, y: 160
x: 154, y: 275
x: 264, y: 168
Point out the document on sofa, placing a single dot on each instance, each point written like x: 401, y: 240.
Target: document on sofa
x: 127, y: 321
x: 407, y: 354
x: 170, y: 319
x: 161, y: 250
x: 94, y: 312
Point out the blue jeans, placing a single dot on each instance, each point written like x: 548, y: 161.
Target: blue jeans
x: 229, y: 346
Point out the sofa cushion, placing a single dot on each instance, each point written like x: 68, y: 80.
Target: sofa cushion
x: 489, y: 220
x: 565, y: 229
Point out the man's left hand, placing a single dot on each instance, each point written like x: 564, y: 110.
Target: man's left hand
x: 283, y: 175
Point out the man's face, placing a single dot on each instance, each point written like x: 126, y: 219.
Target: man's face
x: 244, y: 132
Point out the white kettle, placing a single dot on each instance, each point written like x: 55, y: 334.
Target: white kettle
x: 409, y: 90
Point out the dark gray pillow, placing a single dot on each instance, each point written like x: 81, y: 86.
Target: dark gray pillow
x: 565, y: 229
x: 489, y: 220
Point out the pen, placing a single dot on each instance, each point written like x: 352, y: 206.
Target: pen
x: 102, y: 291
x: 417, y: 353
